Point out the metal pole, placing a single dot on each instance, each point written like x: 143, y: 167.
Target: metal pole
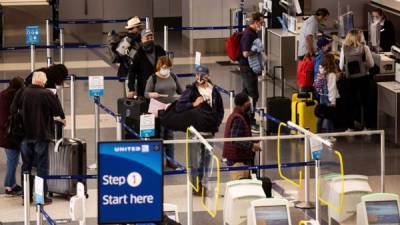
x: 147, y: 23
x: 264, y: 74
x: 306, y: 204
x: 261, y: 159
x: 383, y: 162
x: 62, y: 47
x: 33, y: 59
x: 39, y: 217
x: 317, y: 209
x: 73, y: 116
x: 166, y: 38
x: 97, y: 130
x: 27, y: 203
x: 189, y: 203
x: 231, y: 101
x: 48, y: 42
x: 119, y: 127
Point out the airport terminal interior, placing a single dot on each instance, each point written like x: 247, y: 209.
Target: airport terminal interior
x: 307, y: 166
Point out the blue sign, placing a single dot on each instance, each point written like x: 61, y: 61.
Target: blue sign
x: 96, y: 92
x: 130, y: 182
x: 32, y: 35
x: 96, y: 86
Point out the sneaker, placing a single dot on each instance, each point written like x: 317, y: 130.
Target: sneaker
x: 255, y: 129
x: 15, y: 191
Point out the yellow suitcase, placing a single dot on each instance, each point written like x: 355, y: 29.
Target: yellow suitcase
x: 303, y: 107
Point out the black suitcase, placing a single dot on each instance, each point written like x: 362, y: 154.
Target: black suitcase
x: 68, y: 159
x: 130, y: 111
x: 278, y: 107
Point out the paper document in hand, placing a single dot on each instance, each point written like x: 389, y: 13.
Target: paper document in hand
x: 155, y: 106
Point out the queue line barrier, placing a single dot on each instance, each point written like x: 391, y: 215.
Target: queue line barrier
x: 93, y: 21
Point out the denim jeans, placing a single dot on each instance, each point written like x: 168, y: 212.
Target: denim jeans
x: 12, y: 163
x: 324, y: 125
x: 250, y: 87
x: 167, y: 134
x: 35, y: 153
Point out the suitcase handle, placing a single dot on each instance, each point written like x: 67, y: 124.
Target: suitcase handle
x: 282, y: 80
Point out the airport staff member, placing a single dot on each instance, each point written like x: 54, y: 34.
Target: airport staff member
x: 383, y: 27
x: 309, y: 31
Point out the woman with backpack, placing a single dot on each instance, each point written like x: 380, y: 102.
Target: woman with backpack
x: 326, y: 88
x: 12, y: 149
x: 355, y: 61
x: 164, y: 87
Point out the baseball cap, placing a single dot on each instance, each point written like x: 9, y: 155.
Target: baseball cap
x: 322, y: 42
x: 146, y: 32
x: 201, y: 70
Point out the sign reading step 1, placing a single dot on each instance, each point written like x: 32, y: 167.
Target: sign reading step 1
x: 130, y: 182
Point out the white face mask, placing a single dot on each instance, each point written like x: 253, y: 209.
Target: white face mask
x: 165, y: 72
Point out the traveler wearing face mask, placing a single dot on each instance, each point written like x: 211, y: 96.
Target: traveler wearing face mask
x: 250, y: 78
x: 164, y: 87
x: 200, y: 92
x: 143, y: 64
x: 385, y: 29
x: 309, y: 31
x: 128, y: 46
x: 238, y: 126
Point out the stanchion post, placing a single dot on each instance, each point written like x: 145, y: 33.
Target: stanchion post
x: 264, y: 73
x: 317, y: 209
x: 119, y: 127
x: 231, y: 101
x: 383, y: 162
x: 73, y: 115
x: 261, y: 159
x: 62, y: 46
x: 306, y: 204
x: 33, y: 57
x: 39, y: 217
x: 27, y: 203
x: 147, y: 23
x: 166, y: 38
x: 48, y: 42
x: 97, y: 130
x: 189, y: 202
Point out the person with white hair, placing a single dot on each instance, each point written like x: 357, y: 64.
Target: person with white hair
x: 37, y: 106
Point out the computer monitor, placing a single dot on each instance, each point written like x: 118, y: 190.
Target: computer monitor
x: 238, y: 197
x: 271, y: 211
x: 380, y: 208
x: 346, y: 23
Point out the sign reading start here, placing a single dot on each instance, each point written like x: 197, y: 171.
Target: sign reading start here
x: 130, y: 182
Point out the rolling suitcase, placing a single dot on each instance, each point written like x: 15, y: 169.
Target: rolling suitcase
x: 130, y: 111
x: 303, y: 108
x: 66, y: 157
x: 278, y: 107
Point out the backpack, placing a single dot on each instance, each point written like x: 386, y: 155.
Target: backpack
x: 232, y: 46
x: 305, y: 73
x: 354, y: 62
x: 112, y: 43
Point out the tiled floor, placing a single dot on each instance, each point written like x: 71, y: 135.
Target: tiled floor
x: 361, y: 154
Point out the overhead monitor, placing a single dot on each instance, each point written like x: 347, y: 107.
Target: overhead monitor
x: 379, y: 209
x: 269, y: 211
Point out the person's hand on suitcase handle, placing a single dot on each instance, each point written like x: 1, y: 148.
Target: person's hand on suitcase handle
x: 256, y: 147
x: 198, y: 101
x: 131, y: 94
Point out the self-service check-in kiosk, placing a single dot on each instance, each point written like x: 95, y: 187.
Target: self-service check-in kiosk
x: 379, y: 208
x: 269, y: 211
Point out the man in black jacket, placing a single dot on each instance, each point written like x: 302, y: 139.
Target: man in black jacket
x: 38, y: 107
x: 143, y: 64
x: 386, y: 32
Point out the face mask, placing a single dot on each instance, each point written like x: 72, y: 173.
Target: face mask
x: 201, y: 79
x: 135, y: 37
x: 165, y: 72
x: 148, y: 46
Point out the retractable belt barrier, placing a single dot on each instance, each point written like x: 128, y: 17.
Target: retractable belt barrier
x: 205, y: 28
x: 93, y: 21
x: 48, y: 218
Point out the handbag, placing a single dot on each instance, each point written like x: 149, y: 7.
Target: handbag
x: 203, y: 118
x: 15, y: 128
